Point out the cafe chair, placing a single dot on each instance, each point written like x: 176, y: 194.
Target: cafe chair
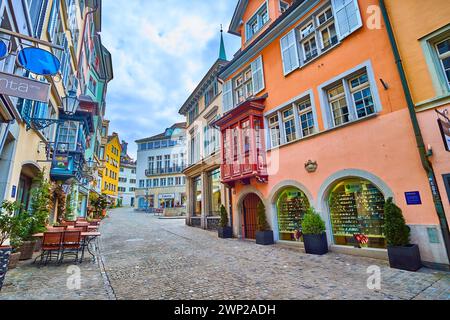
x: 71, y: 244
x: 51, y: 246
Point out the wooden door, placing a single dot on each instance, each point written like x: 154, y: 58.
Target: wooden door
x: 249, y: 221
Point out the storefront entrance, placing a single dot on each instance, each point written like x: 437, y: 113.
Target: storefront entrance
x: 357, y: 209
x: 292, y: 205
x: 249, y: 212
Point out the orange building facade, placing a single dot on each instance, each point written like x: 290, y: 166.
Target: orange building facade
x: 316, y: 116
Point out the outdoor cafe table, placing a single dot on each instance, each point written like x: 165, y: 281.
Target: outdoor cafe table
x: 90, y: 236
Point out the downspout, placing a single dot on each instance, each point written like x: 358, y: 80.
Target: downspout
x: 419, y: 138
x: 230, y: 205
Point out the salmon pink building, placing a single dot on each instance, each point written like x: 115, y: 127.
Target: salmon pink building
x: 315, y: 115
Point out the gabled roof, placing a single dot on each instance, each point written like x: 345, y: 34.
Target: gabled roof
x: 237, y: 17
x: 180, y: 125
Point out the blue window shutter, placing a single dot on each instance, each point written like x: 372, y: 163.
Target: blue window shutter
x: 53, y: 19
x: 348, y: 16
x: 257, y: 75
x: 227, y: 96
x: 289, y: 52
x: 40, y: 22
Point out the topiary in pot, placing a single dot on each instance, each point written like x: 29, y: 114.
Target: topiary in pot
x: 314, y: 236
x: 402, y: 254
x: 224, y: 231
x: 264, y: 234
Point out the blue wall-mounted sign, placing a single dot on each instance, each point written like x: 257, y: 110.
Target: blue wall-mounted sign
x: 413, y: 198
x: 13, y: 192
x: 39, y: 61
x: 4, y: 50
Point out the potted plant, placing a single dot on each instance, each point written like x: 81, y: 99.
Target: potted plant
x: 224, y: 231
x: 15, y: 254
x: 402, y: 254
x: 264, y: 235
x: 314, y: 236
x: 9, y: 224
x: 37, y: 217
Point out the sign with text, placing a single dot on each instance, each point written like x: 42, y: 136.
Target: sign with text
x: 413, y: 198
x: 167, y: 196
x: 444, y: 126
x: 24, y: 88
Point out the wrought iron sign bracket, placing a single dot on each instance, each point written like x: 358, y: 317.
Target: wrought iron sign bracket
x: 41, y: 124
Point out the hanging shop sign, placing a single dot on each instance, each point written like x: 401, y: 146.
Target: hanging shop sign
x: 444, y: 126
x: 61, y: 162
x: 39, y: 61
x: 25, y: 88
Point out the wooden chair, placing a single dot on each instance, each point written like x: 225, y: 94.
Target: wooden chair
x: 71, y: 244
x: 68, y: 223
x: 57, y: 229
x: 51, y: 244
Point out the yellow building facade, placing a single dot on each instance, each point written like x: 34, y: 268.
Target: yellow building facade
x: 110, y: 181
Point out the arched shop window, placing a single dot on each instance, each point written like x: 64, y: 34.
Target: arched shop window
x: 291, y: 205
x: 357, y: 208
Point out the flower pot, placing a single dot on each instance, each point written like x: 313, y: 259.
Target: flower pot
x: 264, y: 238
x: 5, y: 253
x: 27, y: 250
x: 225, y: 232
x: 405, y: 258
x: 316, y: 243
x: 13, y: 260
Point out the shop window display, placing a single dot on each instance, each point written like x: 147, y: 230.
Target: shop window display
x: 357, y: 211
x: 291, y: 205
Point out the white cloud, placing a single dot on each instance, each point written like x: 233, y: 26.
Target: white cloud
x: 160, y: 49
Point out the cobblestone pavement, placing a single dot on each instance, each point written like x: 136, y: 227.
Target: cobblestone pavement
x: 149, y: 258
x: 53, y: 282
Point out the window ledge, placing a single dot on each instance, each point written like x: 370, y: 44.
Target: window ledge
x: 433, y: 102
x: 324, y: 132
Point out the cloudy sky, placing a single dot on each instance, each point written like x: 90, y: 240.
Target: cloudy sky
x: 161, y: 49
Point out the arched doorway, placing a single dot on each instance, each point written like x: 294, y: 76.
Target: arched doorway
x: 291, y: 204
x: 249, y: 213
x: 357, y: 208
x: 28, y: 173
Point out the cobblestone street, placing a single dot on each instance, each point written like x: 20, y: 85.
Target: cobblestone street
x: 149, y: 258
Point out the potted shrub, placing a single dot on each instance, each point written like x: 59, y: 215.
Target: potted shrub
x: 264, y: 235
x: 402, y: 254
x: 314, y: 236
x: 8, y: 226
x: 224, y: 231
x: 37, y: 217
x: 15, y: 254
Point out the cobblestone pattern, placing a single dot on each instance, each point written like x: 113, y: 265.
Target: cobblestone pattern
x: 148, y: 258
x: 52, y: 282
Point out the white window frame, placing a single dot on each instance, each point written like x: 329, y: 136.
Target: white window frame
x: 344, y: 78
x: 441, y: 57
x: 258, y: 18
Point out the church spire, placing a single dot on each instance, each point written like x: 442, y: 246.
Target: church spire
x: 222, y: 52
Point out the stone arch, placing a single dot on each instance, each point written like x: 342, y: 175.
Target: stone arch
x: 240, y: 206
x: 322, y: 203
x: 277, y: 190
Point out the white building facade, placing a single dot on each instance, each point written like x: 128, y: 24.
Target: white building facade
x: 161, y: 159
x: 127, y: 184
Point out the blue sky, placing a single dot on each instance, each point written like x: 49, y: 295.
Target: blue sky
x: 161, y: 49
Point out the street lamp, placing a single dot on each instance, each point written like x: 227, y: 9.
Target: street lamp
x: 70, y: 103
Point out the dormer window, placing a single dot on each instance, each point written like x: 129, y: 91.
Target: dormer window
x: 257, y: 22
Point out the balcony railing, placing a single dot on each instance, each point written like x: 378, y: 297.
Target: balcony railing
x: 161, y: 171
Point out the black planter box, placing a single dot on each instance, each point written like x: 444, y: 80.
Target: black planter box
x: 225, y: 233
x: 316, y: 243
x: 264, y: 238
x: 405, y: 258
x: 5, y: 253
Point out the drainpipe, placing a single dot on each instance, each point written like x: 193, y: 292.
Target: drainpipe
x: 230, y: 206
x: 419, y: 138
